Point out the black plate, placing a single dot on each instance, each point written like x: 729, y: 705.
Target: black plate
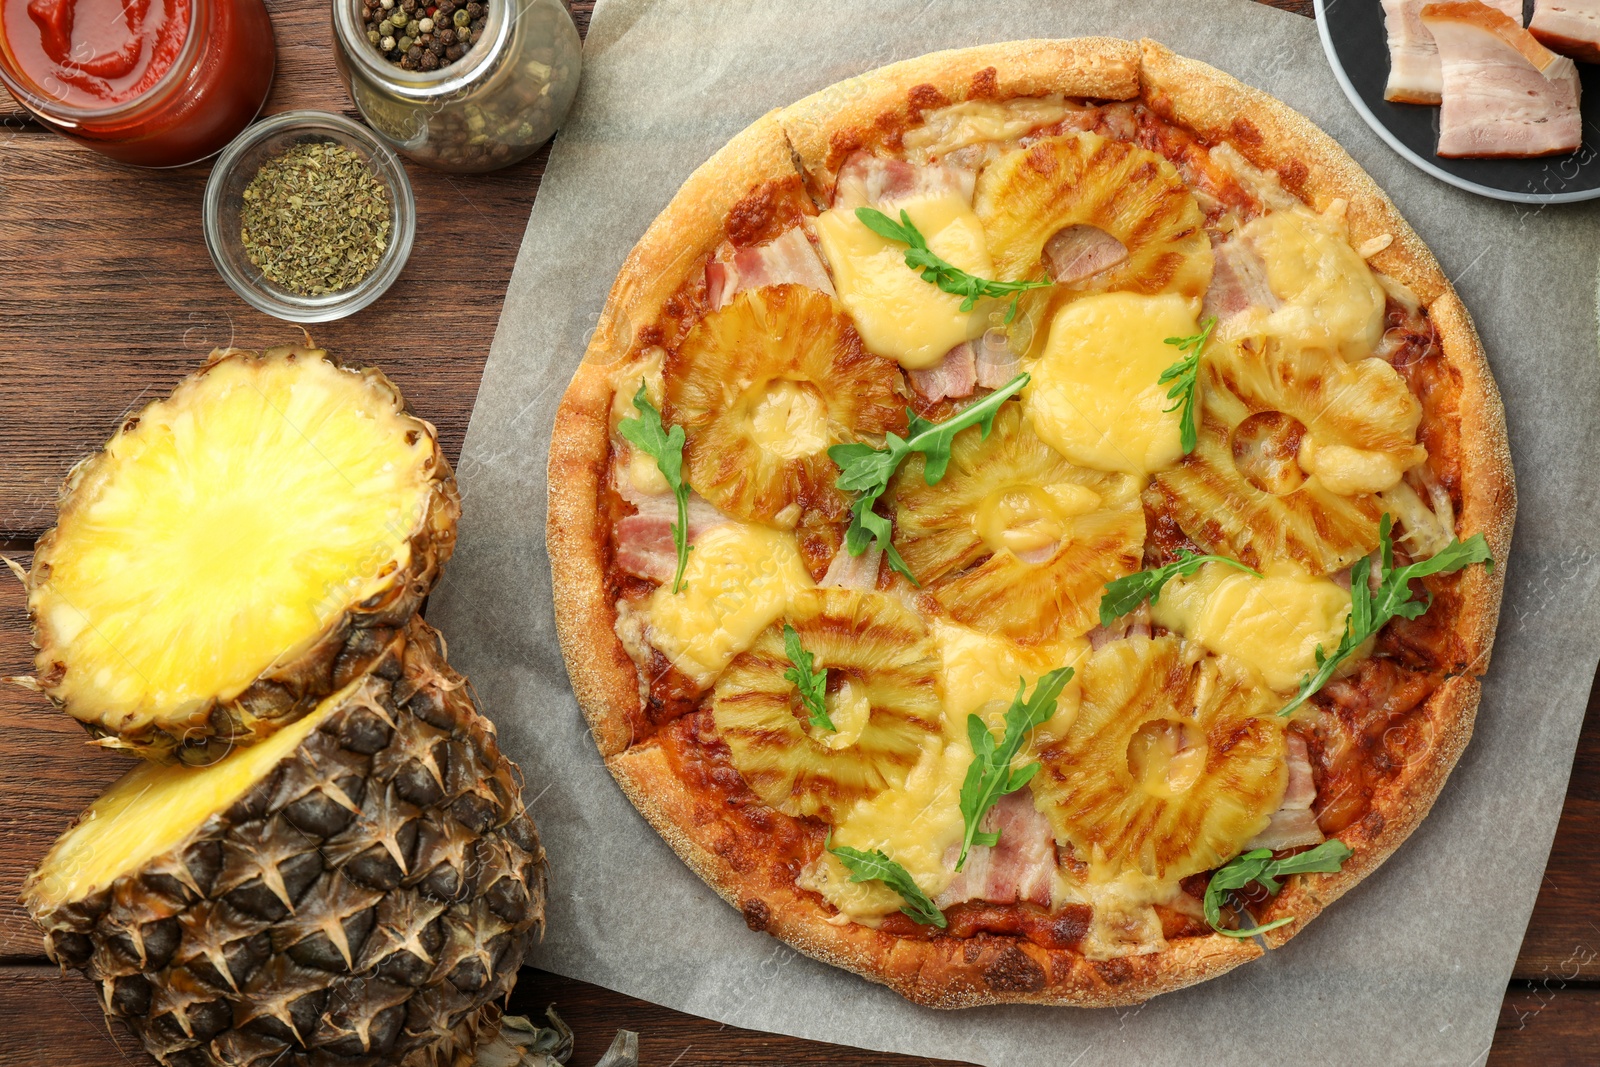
x: 1357, y: 46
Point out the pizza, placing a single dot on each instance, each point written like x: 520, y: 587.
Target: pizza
x: 1025, y: 528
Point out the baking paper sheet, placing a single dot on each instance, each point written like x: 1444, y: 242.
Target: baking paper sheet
x: 1409, y: 968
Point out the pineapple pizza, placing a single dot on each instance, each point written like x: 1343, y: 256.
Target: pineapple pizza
x: 1026, y: 526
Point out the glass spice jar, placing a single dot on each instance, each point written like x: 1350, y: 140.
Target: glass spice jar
x: 495, y: 105
x: 155, y: 84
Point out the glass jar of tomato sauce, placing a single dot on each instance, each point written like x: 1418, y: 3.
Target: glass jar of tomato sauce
x: 154, y: 83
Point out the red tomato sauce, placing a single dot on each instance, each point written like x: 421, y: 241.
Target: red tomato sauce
x: 95, y: 53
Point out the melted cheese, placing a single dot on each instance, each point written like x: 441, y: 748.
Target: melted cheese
x: 899, y: 315
x: 1348, y: 471
x: 639, y: 467
x: 1274, y: 624
x: 1031, y: 519
x: 1331, y: 299
x: 738, y: 581
x: 979, y: 121
x: 1125, y: 922
x: 1095, y: 395
x: 979, y: 674
x: 915, y: 826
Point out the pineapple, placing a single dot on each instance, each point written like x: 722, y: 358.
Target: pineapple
x: 1270, y: 413
x: 236, y: 552
x: 1014, y: 539
x: 359, y: 888
x: 1174, y: 762
x: 1041, y: 203
x: 882, y: 697
x: 763, y: 388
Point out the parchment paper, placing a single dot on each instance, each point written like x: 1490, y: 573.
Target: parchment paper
x: 1408, y: 969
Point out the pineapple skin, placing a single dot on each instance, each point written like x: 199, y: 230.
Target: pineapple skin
x: 291, y: 687
x: 200, y: 956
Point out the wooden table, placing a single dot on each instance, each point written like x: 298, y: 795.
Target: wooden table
x: 107, y: 298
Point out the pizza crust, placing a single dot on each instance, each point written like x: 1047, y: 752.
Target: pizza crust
x: 816, y: 133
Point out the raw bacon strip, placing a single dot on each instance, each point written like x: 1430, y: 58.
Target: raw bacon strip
x: 1293, y: 824
x: 866, y: 179
x: 643, y: 540
x: 1505, y: 94
x: 1571, y: 27
x: 788, y: 258
x: 1414, y: 74
x: 1021, y: 867
x: 853, y: 572
x: 954, y: 376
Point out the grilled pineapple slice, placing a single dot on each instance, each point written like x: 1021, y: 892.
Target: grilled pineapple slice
x: 1174, y: 762
x: 762, y: 388
x: 1295, y: 445
x: 1014, y: 539
x: 882, y: 696
x: 1031, y: 196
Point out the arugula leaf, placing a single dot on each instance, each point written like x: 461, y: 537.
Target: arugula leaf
x: 666, y: 447
x: 1370, y: 611
x: 867, y: 470
x: 1185, y: 378
x: 811, y: 683
x: 1128, y: 592
x: 990, y: 776
x: 946, y: 275
x: 1259, y: 866
x: 874, y: 866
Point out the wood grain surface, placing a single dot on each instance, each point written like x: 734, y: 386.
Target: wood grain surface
x: 107, y: 298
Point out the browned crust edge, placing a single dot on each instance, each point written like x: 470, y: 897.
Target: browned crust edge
x: 1314, y: 167
x: 294, y: 683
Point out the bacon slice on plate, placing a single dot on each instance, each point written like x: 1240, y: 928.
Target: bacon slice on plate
x: 1293, y: 824
x: 1414, y: 75
x: 866, y: 179
x: 787, y: 258
x: 643, y: 540
x: 1021, y: 867
x: 954, y: 376
x: 1571, y: 27
x: 1505, y: 94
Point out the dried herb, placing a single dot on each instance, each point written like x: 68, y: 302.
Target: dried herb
x: 315, y: 219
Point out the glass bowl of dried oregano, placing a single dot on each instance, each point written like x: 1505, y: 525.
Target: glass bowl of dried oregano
x: 308, y: 216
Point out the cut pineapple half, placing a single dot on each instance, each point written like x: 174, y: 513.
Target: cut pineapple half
x: 763, y: 388
x: 1055, y: 187
x: 1294, y: 446
x: 236, y: 552
x: 1174, y: 762
x: 1014, y: 539
x: 358, y: 888
x: 882, y: 696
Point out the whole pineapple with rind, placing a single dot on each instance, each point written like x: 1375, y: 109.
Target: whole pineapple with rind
x: 1029, y: 194
x: 883, y: 697
x: 1071, y: 531
x: 1292, y: 517
x: 358, y: 889
x: 763, y: 388
x: 236, y: 552
x: 1185, y: 813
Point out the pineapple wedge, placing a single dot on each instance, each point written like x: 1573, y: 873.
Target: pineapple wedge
x: 882, y: 696
x: 763, y: 388
x: 236, y: 552
x: 359, y: 888
x: 1032, y: 196
x: 1294, y: 445
x: 1175, y: 760
x: 1014, y: 539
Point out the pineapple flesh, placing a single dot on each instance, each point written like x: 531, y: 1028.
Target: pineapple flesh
x: 1014, y: 539
x: 762, y: 388
x: 357, y: 889
x: 1294, y: 446
x: 882, y: 697
x: 236, y: 552
x: 1174, y: 761
x: 1030, y: 195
